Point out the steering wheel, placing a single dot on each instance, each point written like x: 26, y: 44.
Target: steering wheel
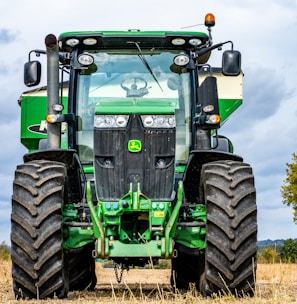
x: 135, y: 87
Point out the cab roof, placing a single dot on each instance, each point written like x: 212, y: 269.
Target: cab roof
x: 127, y: 39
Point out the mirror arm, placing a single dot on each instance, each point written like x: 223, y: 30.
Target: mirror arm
x: 215, y: 46
x: 37, y: 53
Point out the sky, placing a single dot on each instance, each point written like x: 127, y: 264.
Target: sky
x: 263, y: 130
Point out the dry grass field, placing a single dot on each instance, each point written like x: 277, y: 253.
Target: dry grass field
x: 276, y: 283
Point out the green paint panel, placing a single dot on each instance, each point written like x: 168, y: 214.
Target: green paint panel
x: 147, y: 106
x: 89, y: 169
x: 76, y: 237
x: 193, y: 237
x: 149, y: 249
x: 33, y: 114
x: 33, y: 124
x: 227, y: 107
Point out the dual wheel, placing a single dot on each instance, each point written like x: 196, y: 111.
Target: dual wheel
x: 229, y: 262
x: 40, y: 267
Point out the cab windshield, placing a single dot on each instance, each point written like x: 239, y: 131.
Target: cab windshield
x: 134, y: 75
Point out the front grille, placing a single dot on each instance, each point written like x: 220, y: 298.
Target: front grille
x: 116, y: 167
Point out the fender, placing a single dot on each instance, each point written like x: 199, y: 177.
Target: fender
x: 197, y: 158
x: 74, y: 168
x: 66, y: 156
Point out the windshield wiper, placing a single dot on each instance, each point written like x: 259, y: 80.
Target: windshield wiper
x: 146, y: 64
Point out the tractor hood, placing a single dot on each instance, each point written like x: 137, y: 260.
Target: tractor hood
x: 133, y: 106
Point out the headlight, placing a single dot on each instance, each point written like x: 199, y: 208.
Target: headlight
x: 181, y: 60
x: 178, y: 41
x: 195, y: 41
x: 89, y: 41
x: 72, y: 42
x: 111, y: 121
x: 158, y: 121
x: 85, y: 59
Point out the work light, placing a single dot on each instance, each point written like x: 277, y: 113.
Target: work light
x: 111, y: 121
x: 158, y: 121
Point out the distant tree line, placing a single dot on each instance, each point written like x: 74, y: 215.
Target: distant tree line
x: 287, y: 253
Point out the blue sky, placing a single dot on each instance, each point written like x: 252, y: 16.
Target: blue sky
x: 263, y: 130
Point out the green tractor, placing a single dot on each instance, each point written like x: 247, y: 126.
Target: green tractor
x: 125, y: 163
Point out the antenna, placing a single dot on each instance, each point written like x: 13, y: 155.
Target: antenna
x: 188, y: 26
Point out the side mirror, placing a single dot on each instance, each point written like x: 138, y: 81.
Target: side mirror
x: 32, y: 73
x: 231, y: 63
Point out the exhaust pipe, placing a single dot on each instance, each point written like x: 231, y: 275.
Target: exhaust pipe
x: 52, y: 52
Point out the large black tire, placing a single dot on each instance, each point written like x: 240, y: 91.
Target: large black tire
x: 82, y: 272
x: 39, y: 269
x: 231, y: 249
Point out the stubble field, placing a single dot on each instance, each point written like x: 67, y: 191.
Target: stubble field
x: 276, y: 283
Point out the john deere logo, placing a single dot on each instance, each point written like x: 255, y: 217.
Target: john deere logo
x: 134, y: 145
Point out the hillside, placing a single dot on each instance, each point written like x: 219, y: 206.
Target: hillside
x: 271, y: 243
